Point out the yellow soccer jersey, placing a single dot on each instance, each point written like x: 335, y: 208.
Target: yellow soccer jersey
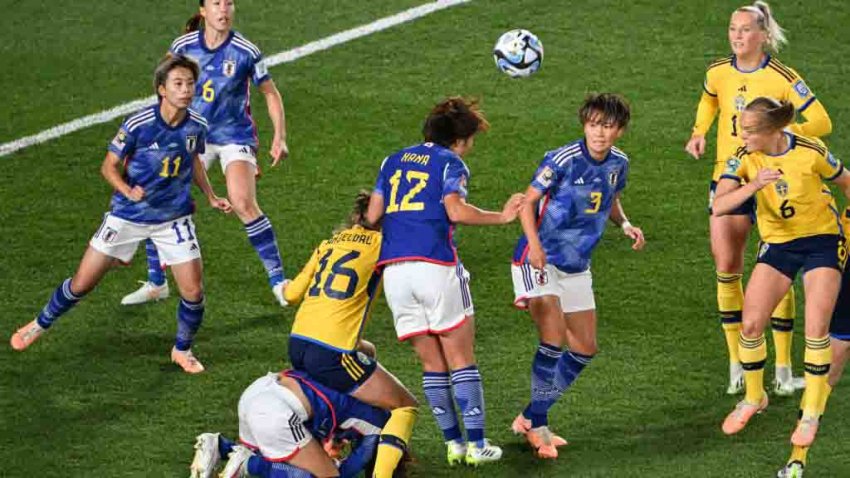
x: 734, y: 89
x: 799, y: 204
x: 337, y: 287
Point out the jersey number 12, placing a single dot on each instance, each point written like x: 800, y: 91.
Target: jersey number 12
x: 418, y: 181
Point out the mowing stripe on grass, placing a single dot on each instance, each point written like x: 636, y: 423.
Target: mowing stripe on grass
x: 272, y: 60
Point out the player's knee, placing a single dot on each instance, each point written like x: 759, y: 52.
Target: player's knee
x: 245, y: 207
x: 407, y: 400
x: 192, y: 293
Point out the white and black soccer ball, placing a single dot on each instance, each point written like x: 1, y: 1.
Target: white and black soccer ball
x: 518, y: 53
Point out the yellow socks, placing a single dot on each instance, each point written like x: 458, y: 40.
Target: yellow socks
x: 782, y: 323
x: 753, y: 353
x: 816, y: 361
x: 730, y: 300
x: 394, y: 439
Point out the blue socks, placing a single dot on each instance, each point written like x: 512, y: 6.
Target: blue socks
x: 60, y: 302
x: 225, y: 446
x: 155, y: 273
x: 543, y: 394
x: 438, y: 392
x: 261, y: 235
x: 469, y: 395
x: 189, y: 318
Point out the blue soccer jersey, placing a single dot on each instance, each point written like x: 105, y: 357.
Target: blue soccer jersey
x: 578, y: 193
x: 223, y: 91
x: 334, y: 411
x: 159, y: 158
x: 414, y: 182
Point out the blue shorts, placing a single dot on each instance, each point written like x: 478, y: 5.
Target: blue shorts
x: 339, y: 370
x: 746, y: 209
x: 839, y: 328
x: 806, y: 253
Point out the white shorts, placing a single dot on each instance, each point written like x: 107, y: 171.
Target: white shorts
x: 271, y: 419
x: 575, y: 291
x: 175, y: 240
x: 226, y: 154
x: 427, y: 298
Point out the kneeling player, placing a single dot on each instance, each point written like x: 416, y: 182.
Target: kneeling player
x: 283, y: 419
x: 152, y: 200
x: 578, y: 189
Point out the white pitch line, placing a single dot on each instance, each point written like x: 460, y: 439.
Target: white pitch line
x: 273, y: 60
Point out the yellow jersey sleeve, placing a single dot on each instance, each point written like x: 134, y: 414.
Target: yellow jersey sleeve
x: 737, y: 167
x: 828, y: 166
x: 296, y: 289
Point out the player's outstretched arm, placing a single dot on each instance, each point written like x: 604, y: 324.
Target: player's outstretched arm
x: 843, y: 182
x: 111, y: 171
x: 199, y: 175
x: 817, y: 122
x: 618, y: 217
x: 528, y: 219
x: 731, y: 194
x: 274, y: 103
x: 706, y: 112
x: 461, y: 212
x: 375, y: 211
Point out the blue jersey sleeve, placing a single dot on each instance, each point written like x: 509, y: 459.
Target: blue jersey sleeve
x: 621, y: 181
x: 381, y: 182
x: 124, y: 143
x: 260, y: 71
x: 455, y: 178
x: 548, y: 174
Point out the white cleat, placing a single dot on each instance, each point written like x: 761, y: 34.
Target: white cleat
x: 736, y: 379
x: 785, y: 384
x: 206, y: 459
x: 791, y: 470
x: 148, y: 292
x: 476, y: 456
x: 278, y: 289
x: 455, y: 452
x: 237, y: 463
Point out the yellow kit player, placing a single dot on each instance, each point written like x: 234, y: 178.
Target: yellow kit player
x: 730, y: 84
x: 800, y: 230
x: 336, y: 290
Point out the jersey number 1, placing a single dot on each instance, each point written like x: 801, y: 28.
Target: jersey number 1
x: 337, y: 269
x: 418, y: 179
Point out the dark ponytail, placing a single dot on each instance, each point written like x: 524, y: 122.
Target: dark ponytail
x: 775, y: 115
x: 194, y: 23
x: 455, y: 118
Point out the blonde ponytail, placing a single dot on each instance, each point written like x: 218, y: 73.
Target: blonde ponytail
x: 764, y: 17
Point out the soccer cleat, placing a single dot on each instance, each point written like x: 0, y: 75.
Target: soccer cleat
x: 455, y: 452
x: 743, y: 412
x: 186, y: 360
x: 791, y: 470
x: 736, y: 379
x: 26, y: 335
x: 522, y: 425
x: 540, y: 439
x: 148, y: 292
x: 804, y: 434
x: 785, y: 384
x: 237, y: 463
x: 477, y: 456
x: 277, y: 290
x: 206, y: 457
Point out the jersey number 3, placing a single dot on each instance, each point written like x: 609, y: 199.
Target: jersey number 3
x: 418, y: 180
x: 595, y: 202
x: 337, y: 269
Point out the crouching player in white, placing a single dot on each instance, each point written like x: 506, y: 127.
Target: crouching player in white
x: 159, y: 147
x: 283, y: 420
x: 574, y: 192
x: 421, y: 194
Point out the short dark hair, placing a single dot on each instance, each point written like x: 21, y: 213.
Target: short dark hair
x: 611, y: 106
x: 453, y: 119
x: 170, y: 62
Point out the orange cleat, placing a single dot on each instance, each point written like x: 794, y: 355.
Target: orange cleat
x: 522, y: 425
x: 186, y: 360
x: 804, y: 434
x: 540, y: 439
x: 26, y: 335
x: 743, y: 412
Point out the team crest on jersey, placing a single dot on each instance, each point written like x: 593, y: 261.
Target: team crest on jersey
x: 191, y: 143
x: 732, y: 165
x: 740, y: 102
x: 120, y: 139
x: 801, y: 89
x: 228, y: 67
x: 612, y: 177
x: 781, y: 187
x: 541, y: 277
x: 546, y: 176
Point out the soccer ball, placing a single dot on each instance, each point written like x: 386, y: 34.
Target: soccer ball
x: 518, y: 53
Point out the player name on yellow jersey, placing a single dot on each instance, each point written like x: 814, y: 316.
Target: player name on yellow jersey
x: 799, y: 204
x: 336, y: 289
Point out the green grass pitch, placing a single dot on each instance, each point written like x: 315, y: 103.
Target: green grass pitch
x: 97, y: 396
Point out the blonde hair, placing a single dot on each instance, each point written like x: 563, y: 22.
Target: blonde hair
x: 766, y: 21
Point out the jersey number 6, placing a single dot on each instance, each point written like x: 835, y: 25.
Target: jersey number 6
x: 419, y: 180
x: 338, y: 269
